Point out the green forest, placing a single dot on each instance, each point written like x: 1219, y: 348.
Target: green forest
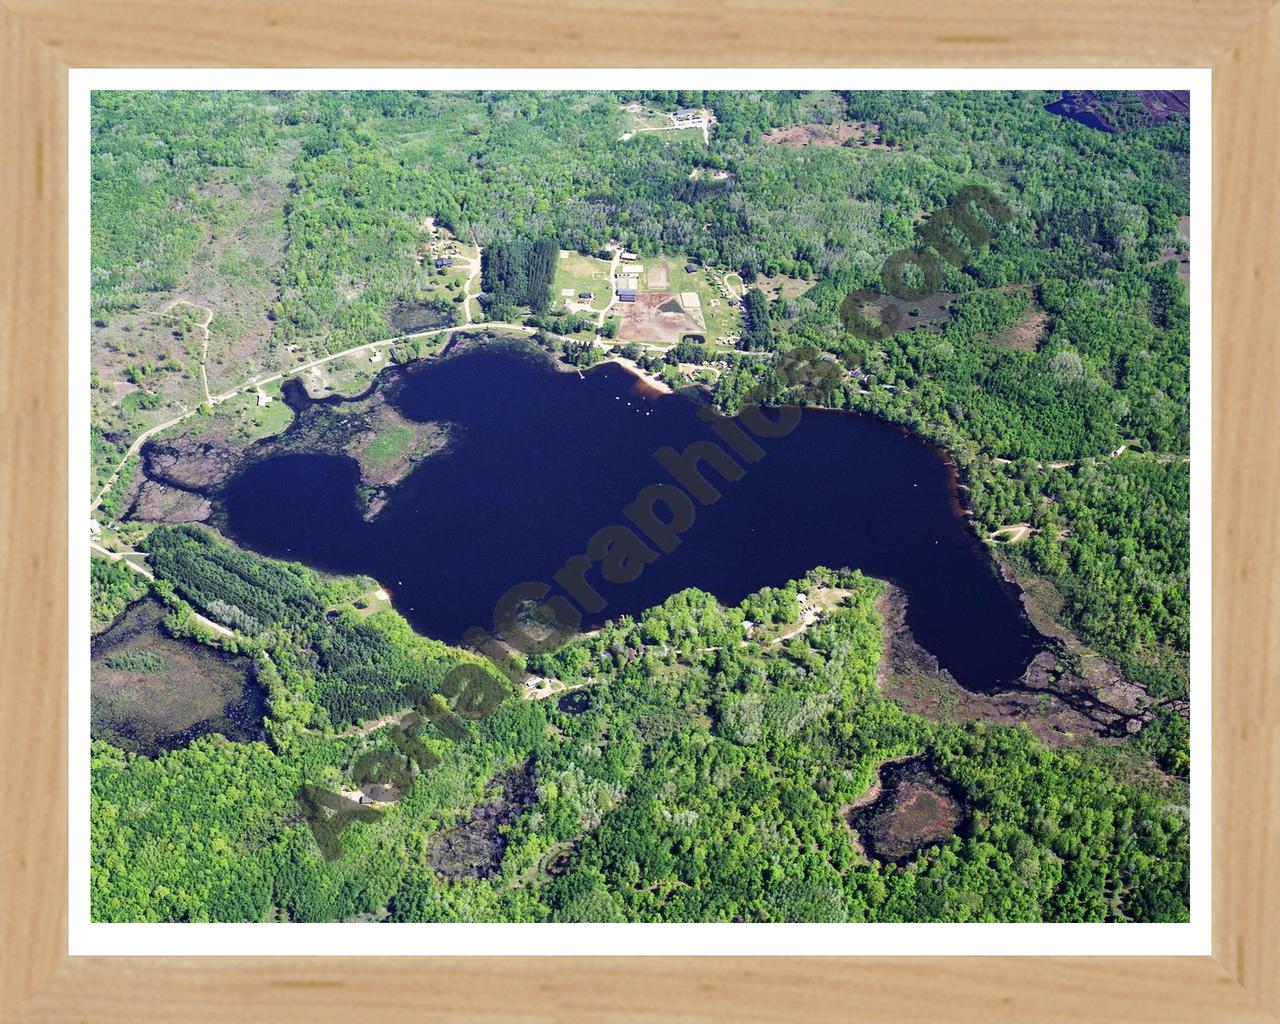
x: 519, y: 273
x: 699, y: 765
x: 703, y: 778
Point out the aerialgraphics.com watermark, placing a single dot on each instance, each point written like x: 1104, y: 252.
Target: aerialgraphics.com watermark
x: 531, y: 618
x: 896, y: 276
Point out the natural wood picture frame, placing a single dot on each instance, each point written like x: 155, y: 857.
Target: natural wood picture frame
x: 41, y: 39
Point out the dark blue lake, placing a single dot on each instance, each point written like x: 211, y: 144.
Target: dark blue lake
x: 539, y: 460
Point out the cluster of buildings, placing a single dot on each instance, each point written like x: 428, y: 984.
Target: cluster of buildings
x: 629, y: 277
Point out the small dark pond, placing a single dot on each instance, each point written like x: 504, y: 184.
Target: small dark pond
x: 574, y: 703
x: 150, y: 693
x: 916, y: 807
x: 1077, y: 109
x: 474, y: 848
x: 540, y: 460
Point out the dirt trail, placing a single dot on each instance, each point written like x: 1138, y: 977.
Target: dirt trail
x: 117, y: 556
x: 741, y: 289
x: 376, y: 724
x: 1015, y: 533
x: 167, y: 311
x: 204, y: 380
x: 613, y: 286
x: 466, y: 287
x: 1068, y: 463
x: 821, y: 601
x: 256, y: 382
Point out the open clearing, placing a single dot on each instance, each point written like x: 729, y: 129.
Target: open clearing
x: 243, y: 418
x: 433, y: 283
x: 656, y: 316
x: 930, y: 310
x: 780, y: 286
x: 914, y: 807
x: 720, y: 322
x: 641, y: 118
x: 1170, y: 253
x: 1026, y: 333
x: 347, y: 375
x: 1015, y: 533
x: 231, y: 274
x: 683, y: 134
x: 576, y: 274
x: 150, y: 692
x: 865, y: 135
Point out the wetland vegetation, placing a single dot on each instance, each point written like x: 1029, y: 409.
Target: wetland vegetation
x: 153, y: 692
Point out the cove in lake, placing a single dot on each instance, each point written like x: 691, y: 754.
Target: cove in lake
x: 540, y: 460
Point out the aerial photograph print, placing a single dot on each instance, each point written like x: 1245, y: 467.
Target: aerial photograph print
x: 659, y: 506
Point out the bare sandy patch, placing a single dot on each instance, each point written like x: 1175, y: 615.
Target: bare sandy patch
x: 655, y: 316
x: 1026, y: 333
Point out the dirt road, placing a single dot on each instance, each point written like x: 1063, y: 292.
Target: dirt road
x: 613, y: 286
x: 167, y: 311
x: 466, y: 287
x: 142, y: 570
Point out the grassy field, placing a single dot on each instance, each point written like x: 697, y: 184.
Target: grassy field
x: 446, y: 281
x: 373, y: 600
x: 347, y: 376
x: 779, y: 286
x: 721, y: 319
x: 641, y: 118
x: 391, y: 446
x: 388, y: 444
x: 146, y: 370
x: 681, y: 135
x: 239, y: 420
x: 580, y: 274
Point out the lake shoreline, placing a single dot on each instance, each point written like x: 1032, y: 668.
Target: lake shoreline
x: 546, y: 458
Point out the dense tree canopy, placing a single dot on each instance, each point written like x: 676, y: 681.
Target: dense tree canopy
x: 702, y: 778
